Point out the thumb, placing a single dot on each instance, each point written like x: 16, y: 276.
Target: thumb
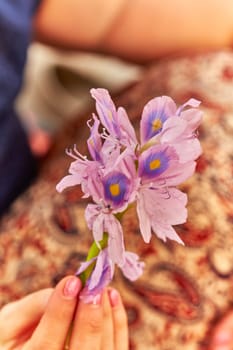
x: 19, y: 316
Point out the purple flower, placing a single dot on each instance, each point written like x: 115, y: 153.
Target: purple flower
x: 160, y: 166
x: 100, y: 277
x: 115, y: 121
x: 154, y: 115
x: 116, y: 188
x: 100, y: 222
x: 162, y: 122
x: 122, y: 171
x: 103, y: 272
x: 155, y: 161
x: 113, y: 186
x: 132, y: 268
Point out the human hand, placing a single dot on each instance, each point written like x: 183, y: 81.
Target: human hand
x: 42, y: 320
x: 222, y: 335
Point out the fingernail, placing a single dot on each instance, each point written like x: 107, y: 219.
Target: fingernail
x: 97, y: 299
x: 72, y: 287
x: 114, y: 297
x: 90, y: 299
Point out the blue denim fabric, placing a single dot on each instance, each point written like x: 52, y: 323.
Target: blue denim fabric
x: 17, y: 165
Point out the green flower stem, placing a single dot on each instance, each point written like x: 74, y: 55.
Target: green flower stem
x: 95, y: 249
x: 92, y: 253
x: 120, y: 215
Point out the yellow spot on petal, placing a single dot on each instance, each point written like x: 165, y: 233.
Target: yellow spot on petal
x: 156, y: 125
x: 114, y: 189
x: 155, y: 164
x: 110, y: 115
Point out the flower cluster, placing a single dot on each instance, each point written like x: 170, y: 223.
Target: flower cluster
x: 123, y: 171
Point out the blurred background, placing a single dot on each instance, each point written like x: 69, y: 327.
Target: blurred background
x: 57, y: 83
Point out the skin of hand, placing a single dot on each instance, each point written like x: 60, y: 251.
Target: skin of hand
x: 222, y: 337
x: 42, y: 320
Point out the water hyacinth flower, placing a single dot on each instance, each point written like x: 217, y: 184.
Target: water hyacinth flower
x: 162, y: 122
x: 121, y: 171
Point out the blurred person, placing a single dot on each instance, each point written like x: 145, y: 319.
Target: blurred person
x: 136, y: 30
x: 42, y: 320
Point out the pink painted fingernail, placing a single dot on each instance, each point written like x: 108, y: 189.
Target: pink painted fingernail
x: 97, y: 299
x: 114, y: 297
x: 72, y: 287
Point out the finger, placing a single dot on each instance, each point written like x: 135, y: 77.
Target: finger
x: 29, y: 310
x: 107, y: 342
x: 120, y: 323
x: 52, y: 330
x: 223, y: 334
x: 88, y: 325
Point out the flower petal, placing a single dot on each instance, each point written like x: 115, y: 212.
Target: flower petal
x: 155, y: 161
x: 98, y: 227
x: 128, y: 134
x: 175, y: 174
x: 94, y: 142
x: 84, y: 265
x: 173, y: 129
x: 164, y: 231
x: 132, y: 268
x: 188, y: 150
x: 106, y: 110
x: 154, y: 114
x: 100, y: 277
x: 166, y: 205
x: 160, y: 209
x: 193, y: 117
x: 192, y: 102
x: 144, y: 219
x: 117, y: 188
x: 103, y: 271
x: 68, y: 181
x: 115, y: 239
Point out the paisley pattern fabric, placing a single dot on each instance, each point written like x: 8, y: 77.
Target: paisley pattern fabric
x: 184, y: 290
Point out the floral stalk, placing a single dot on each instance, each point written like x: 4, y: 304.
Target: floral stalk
x: 123, y: 171
x: 92, y: 254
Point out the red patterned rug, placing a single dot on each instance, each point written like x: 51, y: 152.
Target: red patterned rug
x: 183, y: 290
